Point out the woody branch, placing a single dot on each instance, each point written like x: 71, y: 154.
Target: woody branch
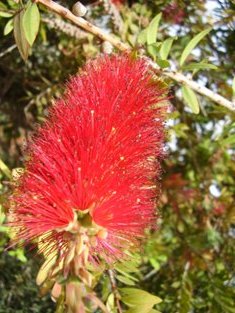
x: 176, y: 76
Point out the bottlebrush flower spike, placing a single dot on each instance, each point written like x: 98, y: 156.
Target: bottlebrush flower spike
x: 89, y: 188
x: 118, y: 1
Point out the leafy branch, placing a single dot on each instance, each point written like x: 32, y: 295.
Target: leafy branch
x: 174, y: 75
x: 81, y: 22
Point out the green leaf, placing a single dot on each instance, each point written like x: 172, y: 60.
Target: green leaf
x: 229, y: 141
x: 163, y: 63
x: 128, y: 275
x: 3, y: 6
x: 129, y: 266
x: 165, y: 48
x: 125, y: 280
x: 5, y: 14
x: 233, y: 87
x: 154, y: 263
x: 192, y: 44
x: 31, y: 22
x: 142, y: 37
x: 142, y: 310
x: 139, y: 299
x: 5, y: 169
x: 21, y: 42
x: 191, y: 99
x: 153, y: 49
x: 199, y: 66
x: 152, y: 29
x: 2, y: 215
x: 8, y: 27
x: 3, y: 229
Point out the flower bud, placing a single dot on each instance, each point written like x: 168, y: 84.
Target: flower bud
x: 79, y: 9
x: 107, y: 47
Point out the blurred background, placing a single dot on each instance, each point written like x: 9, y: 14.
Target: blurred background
x: 189, y: 260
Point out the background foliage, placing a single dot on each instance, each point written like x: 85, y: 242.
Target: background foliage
x: 189, y: 260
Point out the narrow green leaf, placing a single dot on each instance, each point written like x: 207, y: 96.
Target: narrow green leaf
x: 14, y: 4
x: 192, y: 44
x: 191, y: 99
x: 5, y: 169
x: 152, y: 29
x: 3, y: 6
x: 199, y: 66
x: 5, y: 14
x: 128, y: 275
x: 142, y: 37
x: 125, y: 280
x: 233, y: 87
x: 8, y: 27
x: 165, y: 48
x: 130, y: 266
x: 31, y: 22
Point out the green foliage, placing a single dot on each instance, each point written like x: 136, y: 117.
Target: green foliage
x: 190, y: 99
x: 138, y: 300
x: 192, y: 44
x: 199, y: 66
x: 233, y: 87
x: 19, y: 34
x: 166, y: 48
x: 8, y: 27
x: 31, y: 21
x: 152, y: 30
x: 5, y: 14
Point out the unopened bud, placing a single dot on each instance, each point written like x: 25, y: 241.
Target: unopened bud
x: 102, y: 234
x: 45, y: 269
x: 79, y: 9
x: 107, y: 47
x: 56, y: 291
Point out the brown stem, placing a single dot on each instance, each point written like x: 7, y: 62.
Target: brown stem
x: 112, y: 10
x: 115, y: 290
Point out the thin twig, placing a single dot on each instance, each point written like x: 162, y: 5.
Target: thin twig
x: 8, y: 50
x: 114, y: 13
x: 176, y: 76
x: 115, y: 291
x: 150, y: 274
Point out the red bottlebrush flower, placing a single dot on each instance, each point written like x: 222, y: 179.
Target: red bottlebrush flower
x: 174, y: 13
x: 91, y: 171
x: 117, y: 1
x: 219, y: 209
